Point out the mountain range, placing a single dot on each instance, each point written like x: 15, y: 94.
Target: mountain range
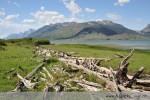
x: 20, y: 35
x: 103, y: 29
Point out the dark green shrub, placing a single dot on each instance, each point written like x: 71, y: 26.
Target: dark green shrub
x: 2, y: 42
x: 23, y: 40
x: 41, y: 42
x: 29, y: 41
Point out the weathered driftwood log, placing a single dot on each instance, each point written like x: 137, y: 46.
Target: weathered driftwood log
x: 34, y: 71
x: 88, y: 87
x: 101, y: 59
x: 103, y: 70
x: 121, y: 74
x: 143, y: 82
x: 115, y: 81
x: 19, y: 87
x: 127, y: 58
x: 136, y: 75
x: 88, y: 83
x: 49, y: 75
x: 143, y: 88
x: 27, y: 83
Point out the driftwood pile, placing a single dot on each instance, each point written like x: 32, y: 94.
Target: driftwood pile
x: 117, y: 81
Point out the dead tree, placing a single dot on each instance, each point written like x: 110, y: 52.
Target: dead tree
x: 121, y: 74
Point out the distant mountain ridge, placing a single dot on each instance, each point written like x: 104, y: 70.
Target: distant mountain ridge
x: 146, y: 30
x: 97, y: 29
x: 49, y: 28
x: 103, y: 29
x: 20, y: 35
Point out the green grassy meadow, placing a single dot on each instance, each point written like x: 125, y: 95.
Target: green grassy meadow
x: 17, y: 54
x: 12, y: 57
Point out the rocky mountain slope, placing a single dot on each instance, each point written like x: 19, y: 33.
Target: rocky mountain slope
x: 146, y: 30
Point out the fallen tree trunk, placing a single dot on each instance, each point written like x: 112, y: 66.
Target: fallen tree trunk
x: 103, y: 70
x: 88, y: 87
x: 88, y: 83
x: 115, y: 81
x: 27, y: 83
x: 34, y: 71
x: 129, y: 84
x: 143, y: 82
x: 141, y: 88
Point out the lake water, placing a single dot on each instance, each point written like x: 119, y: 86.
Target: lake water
x: 126, y: 44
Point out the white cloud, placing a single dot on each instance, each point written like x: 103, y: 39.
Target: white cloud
x: 41, y: 17
x: 45, y: 17
x: 73, y: 19
x: 8, y: 27
x: 2, y: 12
x: 42, y: 8
x: 72, y: 6
x: 28, y: 21
x: 121, y: 2
x: 12, y: 17
x: 90, y: 10
x: 113, y: 16
x: 16, y: 4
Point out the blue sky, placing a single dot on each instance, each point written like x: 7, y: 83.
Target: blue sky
x: 21, y: 15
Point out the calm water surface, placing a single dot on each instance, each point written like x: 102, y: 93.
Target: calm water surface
x: 136, y: 44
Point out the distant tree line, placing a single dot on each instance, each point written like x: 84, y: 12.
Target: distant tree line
x: 25, y: 41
